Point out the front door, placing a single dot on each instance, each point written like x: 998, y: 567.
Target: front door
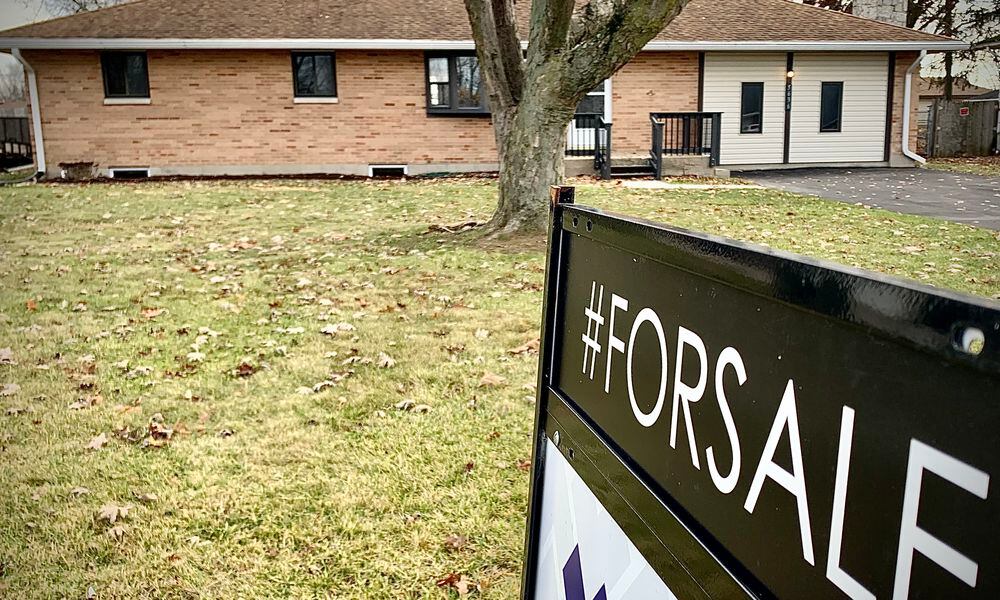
x: 581, y: 133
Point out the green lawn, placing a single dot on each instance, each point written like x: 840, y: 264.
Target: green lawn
x: 296, y: 389
x: 988, y: 166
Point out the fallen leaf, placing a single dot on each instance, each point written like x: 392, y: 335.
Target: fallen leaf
x: 145, y: 498
x: 335, y: 328
x: 482, y: 334
x: 79, y: 491
x: 9, y: 389
x: 31, y: 305
x: 97, y: 442
x: 113, y: 513
x: 405, y: 404
x: 385, y: 361
x: 117, y: 532
x: 528, y: 348
x: 7, y: 357
x: 524, y: 465
x: 226, y: 433
x: 491, y: 380
x: 455, y: 542
x: 152, y: 313
x: 245, y: 369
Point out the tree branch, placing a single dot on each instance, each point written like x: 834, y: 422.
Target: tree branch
x: 550, y: 24
x: 608, y: 33
x: 498, y: 47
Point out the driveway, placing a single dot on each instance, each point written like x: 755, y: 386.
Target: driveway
x: 958, y: 197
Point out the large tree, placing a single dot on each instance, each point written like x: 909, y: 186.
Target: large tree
x: 533, y: 95
x: 974, y: 21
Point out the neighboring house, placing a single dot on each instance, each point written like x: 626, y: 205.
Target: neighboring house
x: 14, y: 108
x: 192, y: 87
x: 930, y: 89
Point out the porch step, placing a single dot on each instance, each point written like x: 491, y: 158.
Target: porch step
x: 631, y: 170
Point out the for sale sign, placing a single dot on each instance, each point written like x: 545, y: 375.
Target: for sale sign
x: 756, y: 424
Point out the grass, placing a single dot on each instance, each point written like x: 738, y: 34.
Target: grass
x: 366, y: 463
x: 988, y: 166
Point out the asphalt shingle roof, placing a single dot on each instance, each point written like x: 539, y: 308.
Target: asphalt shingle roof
x: 701, y: 20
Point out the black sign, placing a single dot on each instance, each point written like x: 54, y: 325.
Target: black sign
x: 770, y: 426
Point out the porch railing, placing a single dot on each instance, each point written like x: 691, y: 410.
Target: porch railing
x: 15, y: 141
x: 590, y: 135
x: 684, y: 133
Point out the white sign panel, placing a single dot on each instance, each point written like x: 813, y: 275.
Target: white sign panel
x: 583, y: 553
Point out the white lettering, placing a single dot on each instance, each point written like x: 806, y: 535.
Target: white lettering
x: 685, y: 394
x: 647, y: 419
x: 912, y: 538
x: 794, y: 482
x: 834, y: 573
x: 614, y: 343
x: 726, y: 484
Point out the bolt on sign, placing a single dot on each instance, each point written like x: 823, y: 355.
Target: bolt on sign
x: 721, y: 420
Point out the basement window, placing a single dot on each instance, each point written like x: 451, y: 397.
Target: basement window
x: 126, y: 74
x: 387, y: 170
x: 128, y: 173
x: 831, y: 106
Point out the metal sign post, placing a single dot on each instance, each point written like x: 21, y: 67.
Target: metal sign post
x: 720, y: 420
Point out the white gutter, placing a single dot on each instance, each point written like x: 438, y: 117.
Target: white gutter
x: 430, y: 44
x: 36, y: 114
x: 907, y: 94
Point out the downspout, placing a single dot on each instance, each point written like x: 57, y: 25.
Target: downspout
x: 36, y: 115
x: 907, y: 95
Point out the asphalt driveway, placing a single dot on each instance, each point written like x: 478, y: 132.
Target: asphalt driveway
x: 959, y: 197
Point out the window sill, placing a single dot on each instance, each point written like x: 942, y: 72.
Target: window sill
x: 119, y: 101
x: 457, y: 112
x: 316, y: 100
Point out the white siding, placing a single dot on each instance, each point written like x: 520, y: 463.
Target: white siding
x: 862, y: 136
x: 725, y: 73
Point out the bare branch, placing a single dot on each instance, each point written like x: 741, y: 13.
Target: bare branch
x: 608, y: 33
x: 499, y: 49
x: 550, y: 24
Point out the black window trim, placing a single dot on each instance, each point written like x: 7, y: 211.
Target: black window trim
x: 840, y: 107
x: 743, y: 86
x: 104, y: 73
x: 333, y: 66
x: 452, y: 110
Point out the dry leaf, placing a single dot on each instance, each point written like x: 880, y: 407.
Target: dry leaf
x: 9, y: 389
x: 7, y: 357
x: 482, y: 334
x: 524, y: 465
x: 335, y: 328
x: 385, y: 361
x: 152, y: 313
x: 491, y: 380
x: 455, y: 542
x: 98, y: 442
x: 530, y: 347
x: 117, y: 532
x: 79, y: 491
x: 113, y: 513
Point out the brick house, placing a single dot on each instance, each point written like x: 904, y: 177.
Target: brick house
x: 189, y: 87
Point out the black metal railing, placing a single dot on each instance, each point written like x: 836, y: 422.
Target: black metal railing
x: 684, y: 133
x: 590, y: 135
x: 15, y: 141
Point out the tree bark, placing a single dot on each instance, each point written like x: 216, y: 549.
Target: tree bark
x: 531, y: 143
x: 533, y: 97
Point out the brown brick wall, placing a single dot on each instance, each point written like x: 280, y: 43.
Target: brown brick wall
x: 235, y: 108
x: 903, y: 61
x: 651, y: 82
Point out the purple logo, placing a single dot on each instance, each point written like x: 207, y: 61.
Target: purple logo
x: 573, y: 579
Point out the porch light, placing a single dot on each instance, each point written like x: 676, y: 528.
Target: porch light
x: 790, y: 74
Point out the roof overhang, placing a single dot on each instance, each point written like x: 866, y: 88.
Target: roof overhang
x: 425, y: 44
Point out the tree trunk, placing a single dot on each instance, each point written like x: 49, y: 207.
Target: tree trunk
x: 531, y: 142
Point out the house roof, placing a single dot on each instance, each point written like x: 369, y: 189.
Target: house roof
x: 704, y: 24
x: 934, y: 86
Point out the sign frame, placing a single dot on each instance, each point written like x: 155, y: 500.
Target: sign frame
x: 688, y: 559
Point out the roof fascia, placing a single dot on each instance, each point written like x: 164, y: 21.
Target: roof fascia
x: 426, y: 44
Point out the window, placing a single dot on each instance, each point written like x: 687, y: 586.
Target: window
x: 831, y: 105
x: 455, y: 85
x: 125, y: 74
x: 591, y: 107
x: 752, y: 108
x: 314, y: 75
